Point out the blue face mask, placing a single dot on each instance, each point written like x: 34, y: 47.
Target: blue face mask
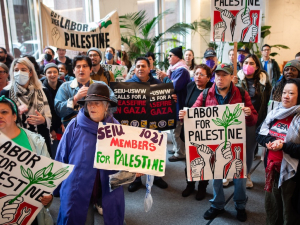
x: 210, y: 63
x: 241, y: 58
x: 108, y: 55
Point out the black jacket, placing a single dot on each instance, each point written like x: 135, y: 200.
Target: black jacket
x: 289, y: 148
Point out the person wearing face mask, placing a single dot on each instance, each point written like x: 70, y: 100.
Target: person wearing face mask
x: 110, y: 55
x: 48, y: 58
x: 290, y: 70
x: 64, y: 72
x: 211, y: 61
x: 242, y: 53
x: 26, y: 90
x: 256, y: 82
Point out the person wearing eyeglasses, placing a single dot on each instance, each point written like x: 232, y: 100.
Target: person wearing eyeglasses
x: 69, y: 93
x: 4, y: 73
x: 99, y: 72
x: 178, y: 74
x: 269, y: 65
x: 202, y: 75
x: 291, y: 70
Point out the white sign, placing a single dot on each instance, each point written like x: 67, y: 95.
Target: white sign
x: 215, y: 142
x: 24, y: 178
x: 61, y: 32
x: 132, y: 149
x: 119, y: 71
x: 234, y: 21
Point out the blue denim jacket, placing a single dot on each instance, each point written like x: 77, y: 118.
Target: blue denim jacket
x: 63, y: 102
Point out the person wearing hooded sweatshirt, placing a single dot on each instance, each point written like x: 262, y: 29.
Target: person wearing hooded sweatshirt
x: 81, y: 190
x: 142, y: 74
x: 280, y: 134
x: 291, y: 70
x: 256, y: 82
x: 178, y: 74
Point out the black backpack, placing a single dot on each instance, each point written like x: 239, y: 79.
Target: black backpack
x: 107, y: 75
x: 205, y: 91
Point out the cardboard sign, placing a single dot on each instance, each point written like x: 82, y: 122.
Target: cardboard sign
x: 215, y: 141
x: 144, y: 105
x: 62, y: 32
x: 131, y: 149
x: 24, y: 178
x: 118, y: 71
x: 234, y: 21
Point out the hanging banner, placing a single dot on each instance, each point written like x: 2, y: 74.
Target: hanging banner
x: 131, y: 149
x: 119, y: 71
x: 215, y: 142
x: 25, y: 178
x: 61, y: 32
x: 144, y: 105
x: 236, y: 21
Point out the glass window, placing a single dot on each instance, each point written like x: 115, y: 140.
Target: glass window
x: 149, y: 7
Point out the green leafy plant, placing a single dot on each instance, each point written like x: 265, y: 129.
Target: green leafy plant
x: 229, y: 119
x: 138, y: 33
x: 43, y: 177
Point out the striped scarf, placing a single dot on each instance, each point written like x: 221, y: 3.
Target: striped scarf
x: 34, y: 99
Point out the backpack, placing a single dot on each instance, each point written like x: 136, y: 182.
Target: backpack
x: 107, y: 75
x: 205, y: 91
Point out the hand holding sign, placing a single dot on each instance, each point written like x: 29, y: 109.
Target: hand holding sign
x: 8, y: 211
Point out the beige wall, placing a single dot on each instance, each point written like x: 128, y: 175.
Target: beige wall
x: 284, y: 17
x: 122, y: 6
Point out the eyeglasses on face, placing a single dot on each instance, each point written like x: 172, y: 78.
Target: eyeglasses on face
x: 94, y: 55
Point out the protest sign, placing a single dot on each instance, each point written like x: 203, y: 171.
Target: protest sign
x: 62, y: 32
x: 236, y: 21
x: 118, y: 71
x: 215, y: 142
x: 131, y: 149
x: 24, y: 178
x: 144, y: 105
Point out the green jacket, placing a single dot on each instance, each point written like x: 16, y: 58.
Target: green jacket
x: 275, y: 70
x: 265, y: 89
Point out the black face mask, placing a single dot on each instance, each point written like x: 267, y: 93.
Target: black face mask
x: 2, y: 59
x: 48, y: 57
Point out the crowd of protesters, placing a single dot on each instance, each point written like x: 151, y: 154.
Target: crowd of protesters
x: 63, y: 99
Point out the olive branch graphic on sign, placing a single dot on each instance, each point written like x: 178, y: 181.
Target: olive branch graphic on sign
x: 44, y: 177
x: 118, y: 73
x: 229, y: 119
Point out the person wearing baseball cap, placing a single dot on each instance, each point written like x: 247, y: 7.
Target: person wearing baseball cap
x: 211, y: 60
x: 224, y: 92
x: 99, y: 72
x: 290, y: 70
x: 178, y: 74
